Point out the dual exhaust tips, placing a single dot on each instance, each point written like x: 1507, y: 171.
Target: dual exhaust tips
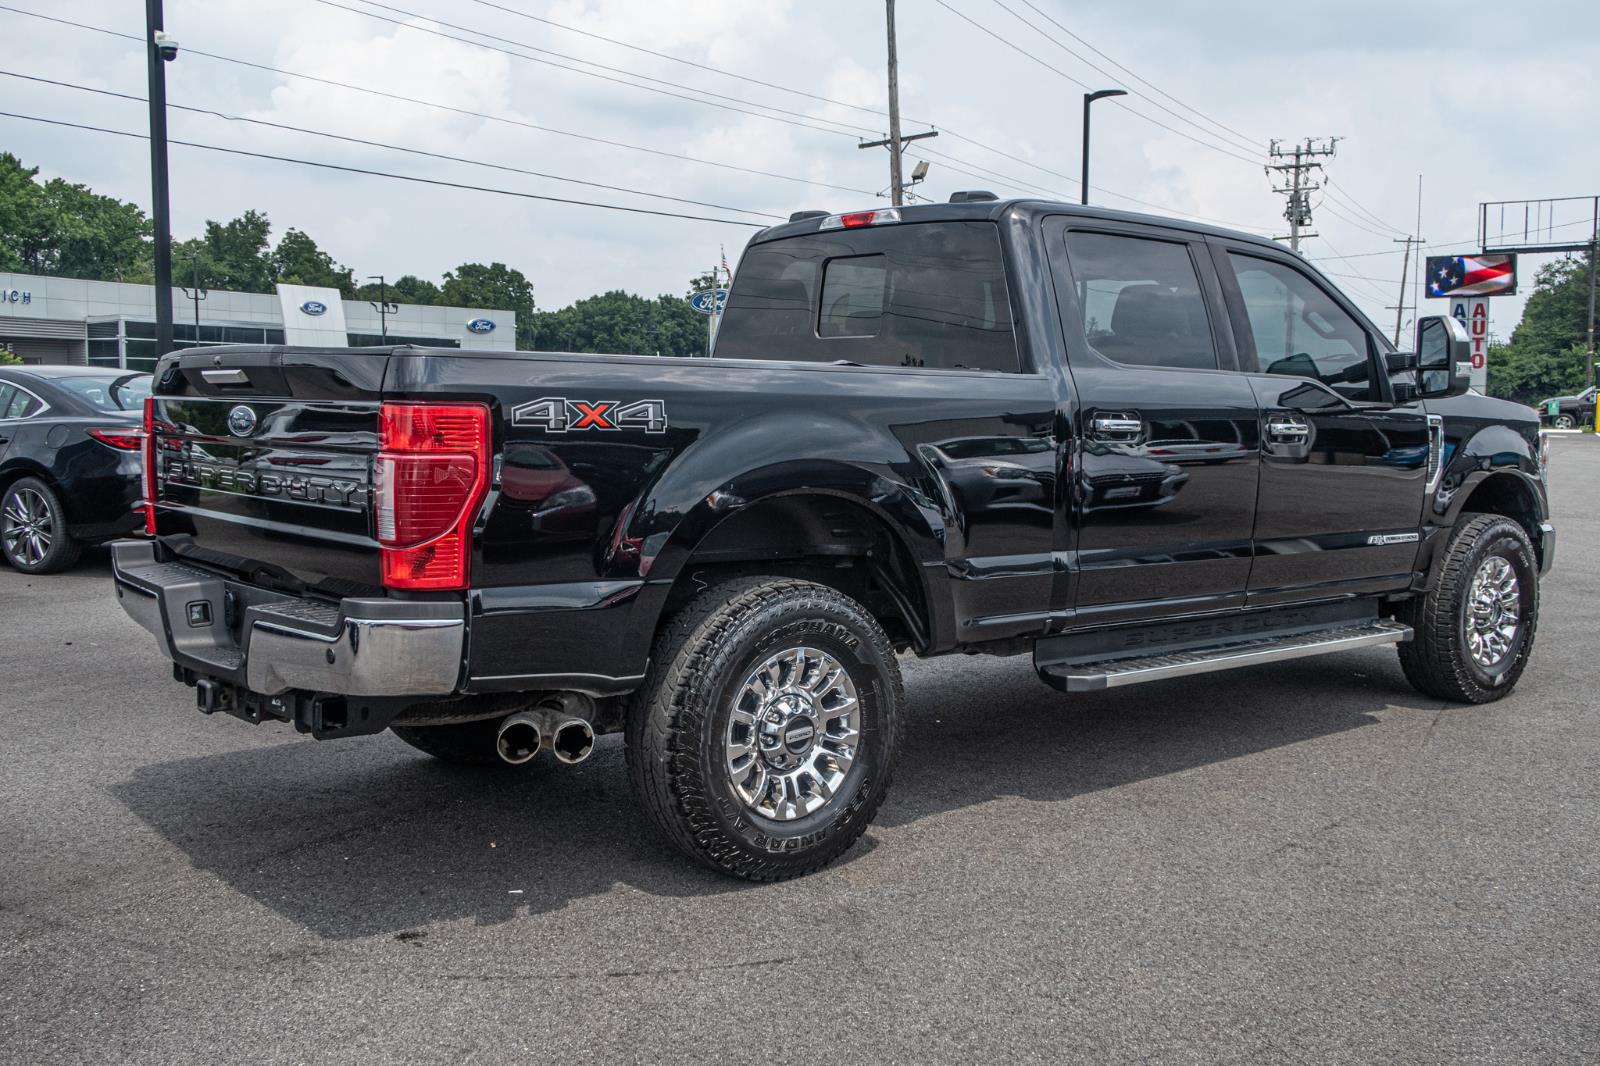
x: 522, y: 735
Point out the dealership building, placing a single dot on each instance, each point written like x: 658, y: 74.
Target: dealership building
x: 107, y: 323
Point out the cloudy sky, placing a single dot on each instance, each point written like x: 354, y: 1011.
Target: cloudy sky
x: 756, y: 109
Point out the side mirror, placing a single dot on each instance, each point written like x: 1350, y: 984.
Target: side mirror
x: 1444, y: 357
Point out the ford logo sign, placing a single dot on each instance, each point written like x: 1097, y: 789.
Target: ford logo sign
x: 241, y: 421
x: 314, y: 307
x: 480, y: 325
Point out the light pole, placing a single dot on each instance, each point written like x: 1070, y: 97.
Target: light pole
x: 383, y: 306
x: 161, y: 49
x: 1089, y: 98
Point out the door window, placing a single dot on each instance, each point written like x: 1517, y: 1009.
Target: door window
x: 852, y: 297
x: 1299, y: 331
x: 1141, y: 301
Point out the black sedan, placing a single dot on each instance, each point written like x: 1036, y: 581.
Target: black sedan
x: 69, y: 461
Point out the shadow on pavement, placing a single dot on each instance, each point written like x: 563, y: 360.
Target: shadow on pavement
x: 364, y: 837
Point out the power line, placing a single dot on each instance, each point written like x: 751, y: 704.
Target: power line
x: 392, y: 147
x: 468, y: 112
x: 1221, y: 125
x: 385, y: 174
x: 587, y: 73
x: 1342, y: 195
x: 1246, y: 146
x: 1350, y: 219
x: 1082, y: 84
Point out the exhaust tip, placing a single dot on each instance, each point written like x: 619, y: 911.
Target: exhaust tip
x: 518, y: 740
x: 573, y: 741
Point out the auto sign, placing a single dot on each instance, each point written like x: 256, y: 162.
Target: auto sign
x: 314, y: 307
x: 480, y: 325
x: 709, y: 301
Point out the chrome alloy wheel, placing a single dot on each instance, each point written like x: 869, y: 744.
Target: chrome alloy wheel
x: 25, y: 526
x: 1494, y: 611
x: 792, y: 733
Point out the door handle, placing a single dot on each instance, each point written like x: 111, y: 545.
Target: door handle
x: 1116, y: 425
x: 1287, y: 431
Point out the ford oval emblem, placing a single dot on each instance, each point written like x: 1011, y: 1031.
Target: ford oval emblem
x: 480, y: 325
x: 241, y: 421
x: 314, y: 307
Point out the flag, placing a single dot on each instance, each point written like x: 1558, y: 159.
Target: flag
x: 1472, y: 275
x: 726, y: 269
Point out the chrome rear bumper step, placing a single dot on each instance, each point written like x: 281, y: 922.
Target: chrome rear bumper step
x: 1133, y: 670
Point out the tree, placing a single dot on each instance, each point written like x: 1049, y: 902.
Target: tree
x: 9, y: 358
x: 406, y: 289
x: 232, y: 255
x: 298, y: 261
x: 623, y: 322
x: 493, y: 286
x: 1547, y: 349
x: 700, y: 282
x: 61, y: 229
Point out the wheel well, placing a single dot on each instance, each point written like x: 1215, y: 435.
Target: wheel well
x: 17, y: 473
x: 826, y: 539
x: 1506, y: 494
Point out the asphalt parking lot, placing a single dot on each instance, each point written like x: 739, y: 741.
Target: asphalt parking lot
x: 1303, y: 862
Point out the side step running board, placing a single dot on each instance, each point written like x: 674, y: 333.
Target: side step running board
x: 1131, y: 670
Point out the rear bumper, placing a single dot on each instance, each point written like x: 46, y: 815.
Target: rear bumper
x: 271, y: 643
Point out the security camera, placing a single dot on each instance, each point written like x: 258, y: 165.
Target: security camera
x: 167, y: 46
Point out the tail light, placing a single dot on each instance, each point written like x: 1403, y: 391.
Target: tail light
x: 432, y: 474
x: 121, y: 439
x: 147, y: 440
x: 857, y: 219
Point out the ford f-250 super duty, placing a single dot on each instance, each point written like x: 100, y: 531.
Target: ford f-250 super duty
x: 1134, y: 448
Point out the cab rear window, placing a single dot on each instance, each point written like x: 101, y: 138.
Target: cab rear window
x: 931, y: 294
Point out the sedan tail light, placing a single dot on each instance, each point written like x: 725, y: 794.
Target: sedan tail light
x: 121, y: 438
x: 432, y: 475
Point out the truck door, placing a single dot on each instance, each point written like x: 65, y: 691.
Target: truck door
x: 1343, y: 468
x: 1166, y: 448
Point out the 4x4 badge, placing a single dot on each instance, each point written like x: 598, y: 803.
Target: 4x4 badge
x: 557, y: 414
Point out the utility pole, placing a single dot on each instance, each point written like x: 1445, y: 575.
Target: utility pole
x: 156, y: 56
x: 1594, y: 254
x: 1405, y: 268
x: 895, y: 142
x: 1298, y: 185
x: 383, y: 306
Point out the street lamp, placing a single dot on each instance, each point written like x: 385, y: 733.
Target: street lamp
x: 1089, y: 98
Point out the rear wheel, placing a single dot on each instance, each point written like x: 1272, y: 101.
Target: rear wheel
x: 33, y: 529
x: 766, y: 732
x: 1474, y: 629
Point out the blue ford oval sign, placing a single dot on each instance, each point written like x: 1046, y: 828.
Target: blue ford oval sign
x: 710, y: 301
x: 480, y: 325
x: 314, y: 307
x: 241, y: 421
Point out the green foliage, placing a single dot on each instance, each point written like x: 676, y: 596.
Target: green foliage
x: 298, y: 261
x: 494, y: 285
x: 700, y: 282
x: 8, y: 359
x: 620, y: 322
x: 406, y: 289
x: 1546, y: 355
x: 58, y: 228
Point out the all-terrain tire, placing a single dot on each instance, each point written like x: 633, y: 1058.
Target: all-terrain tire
x: 679, y: 721
x: 1438, y: 660
x: 27, y: 504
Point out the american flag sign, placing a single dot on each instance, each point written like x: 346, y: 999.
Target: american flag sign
x: 1471, y: 275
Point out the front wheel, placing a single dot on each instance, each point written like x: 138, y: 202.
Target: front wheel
x: 1566, y: 422
x: 1474, y: 629
x: 765, y: 735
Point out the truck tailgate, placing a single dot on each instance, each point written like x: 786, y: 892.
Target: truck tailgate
x: 264, y: 463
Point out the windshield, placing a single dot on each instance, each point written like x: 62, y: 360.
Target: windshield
x: 108, y: 392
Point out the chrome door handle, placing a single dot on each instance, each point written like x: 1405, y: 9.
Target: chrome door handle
x: 1287, y: 431
x: 1109, y: 425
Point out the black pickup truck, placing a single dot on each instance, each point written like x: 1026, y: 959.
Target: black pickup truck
x: 1134, y: 448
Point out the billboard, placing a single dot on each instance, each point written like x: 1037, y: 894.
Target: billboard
x: 1471, y: 275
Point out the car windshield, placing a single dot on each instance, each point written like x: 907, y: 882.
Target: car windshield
x: 108, y: 392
